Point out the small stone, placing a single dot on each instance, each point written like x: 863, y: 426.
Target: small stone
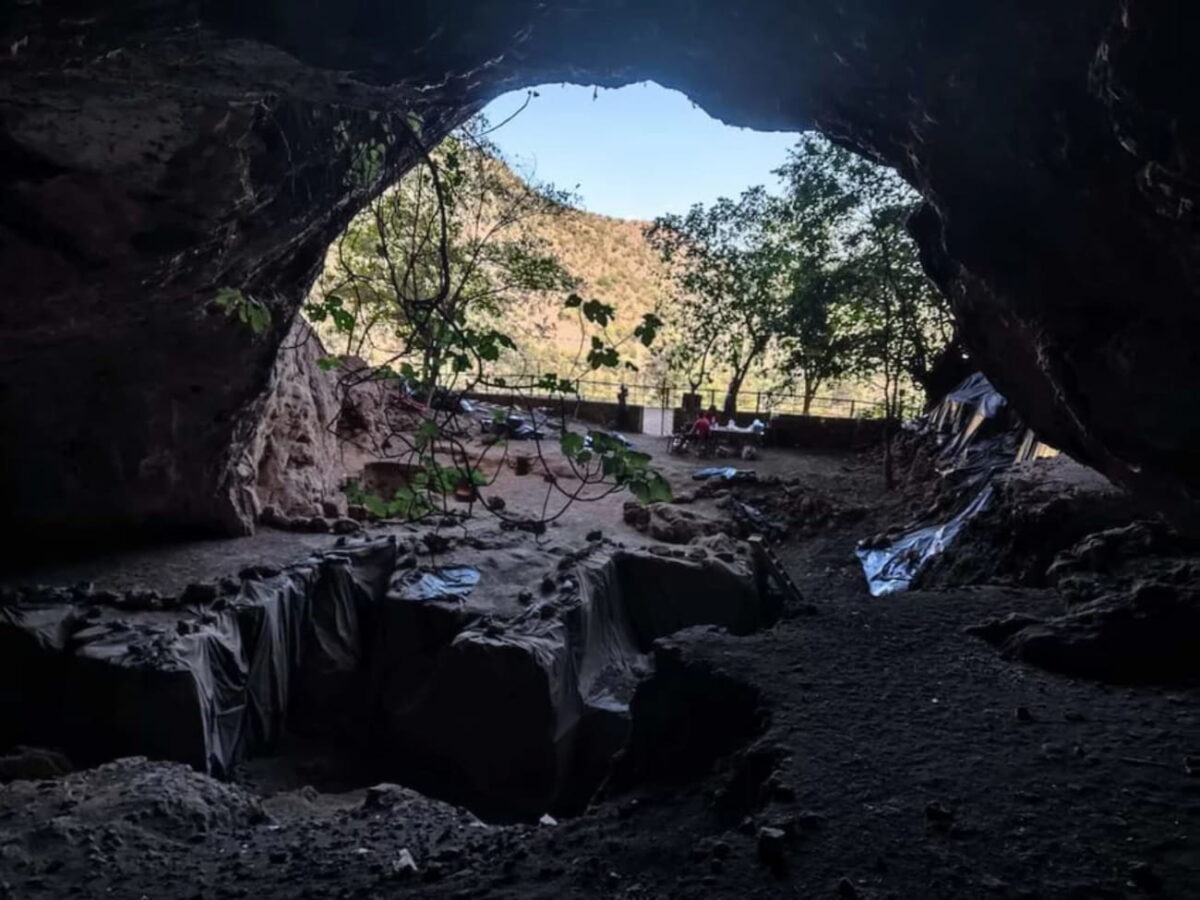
x: 383, y: 796
x: 1191, y: 765
x: 525, y: 598
x: 345, y: 525
x: 596, y: 535
x: 357, y: 512
x: 436, y: 543
x: 771, y: 845
x: 549, y: 585
x: 404, y: 865
x: 496, y: 504
x: 845, y: 888
x: 938, y: 814
x: 317, y: 525
x: 143, y: 599
x: 1024, y: 715
x: 330, y: 509
x: 198, y: 593
x: 782, y: 792
x: 278, y: 857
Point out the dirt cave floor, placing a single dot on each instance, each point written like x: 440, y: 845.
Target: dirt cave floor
x: 879, y: 752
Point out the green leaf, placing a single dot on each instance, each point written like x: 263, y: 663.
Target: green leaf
x: 637, y: 460
x: 426, y: 432
x: 648, y: 329
x: 342, y: 320
x: 599, y: 313
x: 571, y: 443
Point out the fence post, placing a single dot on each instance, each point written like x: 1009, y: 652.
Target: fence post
x: 757, y: 401
x: 852, y: 409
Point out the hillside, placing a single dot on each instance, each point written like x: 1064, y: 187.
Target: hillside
x: 613, y: 263
x: 609, y: 259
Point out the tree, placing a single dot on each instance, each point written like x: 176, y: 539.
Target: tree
x: 420, y: 282
x: 423, y: 275
x: 895, y: 323
x: 732, y: 284
x: 819, y: 342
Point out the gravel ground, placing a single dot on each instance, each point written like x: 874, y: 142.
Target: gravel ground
x: 877, y: 752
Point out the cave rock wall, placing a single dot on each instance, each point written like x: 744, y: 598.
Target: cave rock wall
x: 155, y: 152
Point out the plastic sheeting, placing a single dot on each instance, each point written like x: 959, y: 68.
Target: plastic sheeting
x: 892, y: 568
x: 523, y: 718
x: 978, y: 436
x: 209, y: 690
x: 510, y: 717
x: 725, y: 473
x: 450, y: 582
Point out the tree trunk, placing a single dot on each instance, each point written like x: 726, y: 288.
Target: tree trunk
x: 889, y: 474
x: 810, y: 394
x: 891, y: 413
x: 731, y: 396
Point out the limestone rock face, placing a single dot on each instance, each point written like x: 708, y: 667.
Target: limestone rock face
x: 157, y: 152
x: 295, y: 463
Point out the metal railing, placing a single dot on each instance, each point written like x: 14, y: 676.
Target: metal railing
x: 668, y: 396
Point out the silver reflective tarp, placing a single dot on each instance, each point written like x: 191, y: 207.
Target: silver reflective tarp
x: 977, y: 436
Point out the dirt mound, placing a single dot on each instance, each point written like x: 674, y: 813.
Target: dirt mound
x: 672, y: 524
x: 1132, y: 596
x: 1036, y: 510
x: 169, y: 800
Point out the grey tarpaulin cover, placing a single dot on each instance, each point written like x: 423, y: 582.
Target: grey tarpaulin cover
x: 513, y: 717
x: 205, y: 690
x: 978, y: 436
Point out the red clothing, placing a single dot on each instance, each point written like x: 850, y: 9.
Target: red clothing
x: 702, y: 427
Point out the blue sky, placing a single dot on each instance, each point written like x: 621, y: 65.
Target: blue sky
x: 636, y: 152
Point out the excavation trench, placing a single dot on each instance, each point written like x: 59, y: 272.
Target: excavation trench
x: 510, y: 710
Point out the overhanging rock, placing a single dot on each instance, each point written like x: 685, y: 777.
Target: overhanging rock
x: 156, y: 153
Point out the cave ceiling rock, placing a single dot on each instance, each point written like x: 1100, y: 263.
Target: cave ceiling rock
x: 156, y: 152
